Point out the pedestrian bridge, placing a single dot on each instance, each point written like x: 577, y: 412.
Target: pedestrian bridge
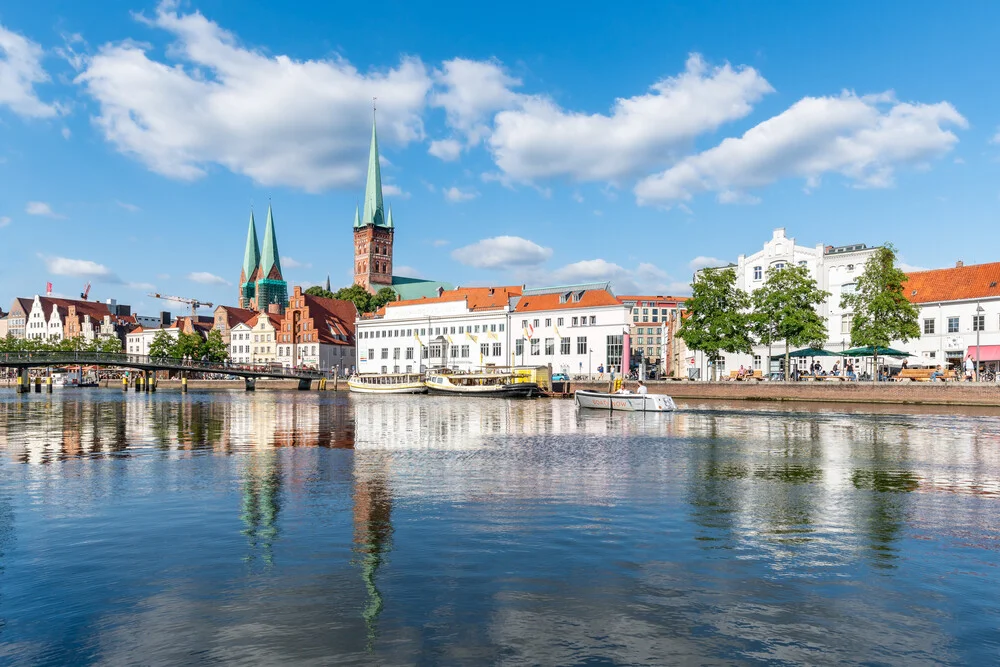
x: 25, y: 360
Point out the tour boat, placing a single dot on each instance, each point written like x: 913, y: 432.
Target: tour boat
x: 624, y: 402
x: 488, y: 383
x: 393, y: 383
x: 71, y: 378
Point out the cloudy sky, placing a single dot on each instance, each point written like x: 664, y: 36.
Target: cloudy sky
x: 546, y: 143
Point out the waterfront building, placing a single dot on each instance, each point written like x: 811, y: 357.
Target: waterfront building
x: 227, y: 317
x: 650, y: 334
x: 374, y: 233
x: 574, y: 329
x: 140, y: 339
x: 835, y: 269
x: 261, y: 281
x: 317, y: 333
x: 3, y: 324
x: 959, y: 307
x: 254, y: 341
x: 53, y: 319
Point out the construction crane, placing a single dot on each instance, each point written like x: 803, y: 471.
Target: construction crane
x: 86, y: 292
x: 194, y: 303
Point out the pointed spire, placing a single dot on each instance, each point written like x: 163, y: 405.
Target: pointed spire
x: 388, y: 222
x: 357, y: 219
x: 374, y: 213
x: 328, y: 283
x: 251, y: 256
x: 269, y: 254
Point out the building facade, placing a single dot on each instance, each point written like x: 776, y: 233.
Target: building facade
x: 227, y: 317
x: 650, y: 332
x: 835, y: 269
x: 317, y: 333
x: 261, y: 282
x: 253, y: 342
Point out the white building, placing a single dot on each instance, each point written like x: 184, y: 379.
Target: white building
x: 140, y: 339
x: 574, y: 329
x: 835, y: 269
x: 253, y: 342
x: 959, y: 307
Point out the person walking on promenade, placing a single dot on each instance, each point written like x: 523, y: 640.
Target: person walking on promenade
x: 970, y: 368
x: 836, y: 368
x: 600, y: 371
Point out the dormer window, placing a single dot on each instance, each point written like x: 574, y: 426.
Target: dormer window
x: 578, y: 296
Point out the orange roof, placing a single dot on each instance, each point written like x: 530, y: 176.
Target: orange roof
x: 590, y: 299
x: 630, y: 297
x: 976, y: 281
x: 476, y: 298
x: 236, y: 315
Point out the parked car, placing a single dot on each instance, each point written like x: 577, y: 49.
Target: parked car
x: 560, y: 377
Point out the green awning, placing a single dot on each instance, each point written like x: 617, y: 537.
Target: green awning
x: 814, y: 352
x: 869, y: 351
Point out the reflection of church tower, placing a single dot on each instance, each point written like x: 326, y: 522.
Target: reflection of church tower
x: 373, y: 231
x: 372, y: 536
x: 260, y: 506
x: 261, y: 282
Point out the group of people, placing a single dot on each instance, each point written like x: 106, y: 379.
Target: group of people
x: 816, y: 370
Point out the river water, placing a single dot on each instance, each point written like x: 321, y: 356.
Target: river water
x: 314, y: 528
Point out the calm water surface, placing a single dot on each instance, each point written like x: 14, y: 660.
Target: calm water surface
x: 320, y: 529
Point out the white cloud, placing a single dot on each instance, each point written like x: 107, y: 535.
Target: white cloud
x: 66, y: 133
x: 290, y: 263
x: 4, y: 221
x: 540, y: 139
x: 391, y: 190
x: 131, y: 208
x: 703, y: 262
x: 448, y: 150
x: 42, y: 209
x: 862, y: 138
x: 440, y: 243
x: 470, y: 91
x: 20, y: 69
x: 407, y: 272
x: 278, y: 120
x: 206, y: 278
x: 500, y: 252
x: 646, y: 278
x: 79, y: 268
x: 454, y: 195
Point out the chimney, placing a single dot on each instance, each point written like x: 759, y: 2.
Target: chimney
x: 274, y: 308
x: 959, y: 264
x: 164, y: 319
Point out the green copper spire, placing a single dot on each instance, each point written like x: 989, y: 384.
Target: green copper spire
x: 374, y: 213
x: 357, y: 220
x: 388, y: 222
x: 251, y: 257
x: 269, y: 256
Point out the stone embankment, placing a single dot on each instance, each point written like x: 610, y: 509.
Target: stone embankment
x: 917, y: 393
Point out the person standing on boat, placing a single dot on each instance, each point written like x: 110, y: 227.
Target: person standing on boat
x: 642, y: 388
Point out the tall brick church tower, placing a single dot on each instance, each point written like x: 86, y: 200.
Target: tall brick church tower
x: 373, y: 231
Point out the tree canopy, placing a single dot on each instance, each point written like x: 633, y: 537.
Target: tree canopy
x: 365, y: 301
x: 784, y: 308
x: 316, y: 290
x: 717, y: 319
x: 881, y: 313
x: 75, y: 344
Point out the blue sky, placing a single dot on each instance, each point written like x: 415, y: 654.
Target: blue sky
x: 544, y: 143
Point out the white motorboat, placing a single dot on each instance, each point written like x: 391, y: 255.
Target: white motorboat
x: 624, y: 402
x: 486, y: 383
x: 393, y: 383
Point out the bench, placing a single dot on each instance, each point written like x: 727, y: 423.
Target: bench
x: 914, y: 375
x: 734, y: 376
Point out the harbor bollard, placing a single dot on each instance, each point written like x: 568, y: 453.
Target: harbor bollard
x: 48, y: 385
x: 124, y: 383
x: 138, y: 383
x: 147, y: 380
x: 152, y: 383
x: 38, y: 385
x: 184, y: 385
x: 20, y: 383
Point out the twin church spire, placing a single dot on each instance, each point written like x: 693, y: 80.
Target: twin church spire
x: 261, y: 282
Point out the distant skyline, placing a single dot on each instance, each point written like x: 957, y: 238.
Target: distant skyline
x: 538, y: 144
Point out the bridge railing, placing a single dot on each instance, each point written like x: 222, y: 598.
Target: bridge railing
x: 133, y: 360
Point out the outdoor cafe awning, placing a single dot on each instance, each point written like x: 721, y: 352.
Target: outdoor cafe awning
x: 986, y: 352
x: 813, y: 352
x: 869, y: 351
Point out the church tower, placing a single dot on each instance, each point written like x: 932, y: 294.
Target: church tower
x: 269, y: 285
x: 251, y: 259
x: 373, y: 231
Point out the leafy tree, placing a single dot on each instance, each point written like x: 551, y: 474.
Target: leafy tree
x: 109, y: 344
x: 717, y: 320
x: 316, y: 290
x: 784, y: 308
x: 214, y: 347
x: 189, y: 346
x: 382, y: 297
x: 361, y: 297
x: 162, y: 346
x: 881, y: 313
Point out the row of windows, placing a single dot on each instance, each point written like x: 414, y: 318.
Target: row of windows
x: 641, y: 340
x: 565, y: 345
x: 954, y: 324
x: 580, y: 321
x: 435, y: 331
x: 758, y: 271
x: 647, y: 330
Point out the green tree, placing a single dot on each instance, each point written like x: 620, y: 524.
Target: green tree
x: 316, y: 290
x: 382, y: 297
x: 361, y: 297
x: 881, y: 314
x: 717, y: 318
x: 214, y: 347
x: 162, y: 346
x: 189, y: 346
x: 108, y: 344
x: 784, y: 308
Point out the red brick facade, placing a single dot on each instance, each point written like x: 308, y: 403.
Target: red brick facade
x: 373, y: 257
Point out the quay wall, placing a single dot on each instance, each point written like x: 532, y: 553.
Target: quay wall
x: 917, y: 393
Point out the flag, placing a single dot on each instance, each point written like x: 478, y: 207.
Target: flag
x: 48, y: 289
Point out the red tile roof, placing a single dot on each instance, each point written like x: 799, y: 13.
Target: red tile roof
x: 236, y: 315
x: 976, y: 281
x: 332, y: 318
x: 476, y: 298
x: 590, y: 299
x: 670, y: 299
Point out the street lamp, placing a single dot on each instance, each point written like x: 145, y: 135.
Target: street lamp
x: 979, y: 311
x: 590, y: 365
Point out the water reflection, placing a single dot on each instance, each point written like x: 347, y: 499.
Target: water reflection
x: 324, y: 528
